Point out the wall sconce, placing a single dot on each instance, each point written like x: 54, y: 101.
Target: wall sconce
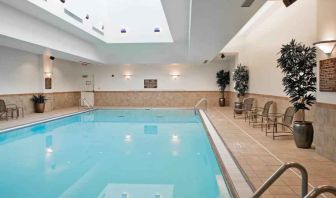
x: 48, y: 74
x: 175, y: 76
x: 127, y: 76
x: 326, y: 46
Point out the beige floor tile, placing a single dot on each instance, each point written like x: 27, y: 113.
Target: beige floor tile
x: 260, y: 155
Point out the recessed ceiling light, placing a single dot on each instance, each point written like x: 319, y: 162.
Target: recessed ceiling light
x: 123, y: 31
x: 157, y: 29
x: 63, y: 1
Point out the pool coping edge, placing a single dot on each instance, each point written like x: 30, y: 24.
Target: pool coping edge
x: 5, y: 130
x: 239, y: 185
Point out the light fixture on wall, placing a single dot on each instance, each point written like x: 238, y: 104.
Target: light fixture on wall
x: 175, y: 76
x: 326, y: 46
x: 47, y: 80
x: 127, y: 76
x: 48, y: 74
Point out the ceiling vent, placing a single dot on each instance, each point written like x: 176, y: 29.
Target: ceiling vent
x: 97, y: 30
x: 73, y: 15
x: 247, y: 3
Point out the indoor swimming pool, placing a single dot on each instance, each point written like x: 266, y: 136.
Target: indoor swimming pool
x: 112, y: 153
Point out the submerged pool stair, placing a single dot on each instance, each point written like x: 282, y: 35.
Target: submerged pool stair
x: 304, y: 182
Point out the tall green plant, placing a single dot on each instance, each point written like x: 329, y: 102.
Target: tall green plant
x: 241, y: 78
x: 297, y: 62
x: 223, y: 79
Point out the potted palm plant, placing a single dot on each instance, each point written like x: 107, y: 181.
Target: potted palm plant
x: 223, y: 79
x: 241, y: 78
x: 297, y: 62
x: 39, y: 103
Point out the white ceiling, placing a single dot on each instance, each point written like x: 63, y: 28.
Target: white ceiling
x: 191, y: 30
x: 138, y: 17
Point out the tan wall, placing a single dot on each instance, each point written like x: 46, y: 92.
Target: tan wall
x: 155, y: 98
x: 325, y: 130
x: 55, y: 100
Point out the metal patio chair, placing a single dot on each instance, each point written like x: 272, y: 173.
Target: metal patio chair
x: 246, y: 109
x: 8, y: 110
x: 262, y: 113
x: 286, y: 123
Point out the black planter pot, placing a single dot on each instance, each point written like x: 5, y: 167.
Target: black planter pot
x: 237, y: 107
x: 221, y: 102
x: 303, y: 134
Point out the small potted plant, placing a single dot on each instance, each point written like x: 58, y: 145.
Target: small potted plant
x: 39, y: 103
x: 241, y: 78
x: 297, y: 63
x: 223, y: 79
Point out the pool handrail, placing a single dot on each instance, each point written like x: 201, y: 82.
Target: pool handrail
x: 203, y: 100
x: 321, y: 189
x: 85, y: 103
x: 279, y: 172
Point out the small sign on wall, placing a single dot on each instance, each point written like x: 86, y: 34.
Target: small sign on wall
x: 328, y: 75
x: 47, y: 83
x: 150, y: 83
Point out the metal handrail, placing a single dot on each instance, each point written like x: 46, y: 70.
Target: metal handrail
x: 321, y: 189
x: 85, y: 102
x: 279, y: 172
x: 199, y: 103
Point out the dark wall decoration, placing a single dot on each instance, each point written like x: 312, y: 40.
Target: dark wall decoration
x: 47, y: 83
x: 328, y: 75
x: 150, y: 83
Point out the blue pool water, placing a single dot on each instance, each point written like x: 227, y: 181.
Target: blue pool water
x: 111, y: 153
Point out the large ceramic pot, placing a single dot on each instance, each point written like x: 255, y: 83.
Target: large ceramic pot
x: 237, y: 107
x: 303, y: 134
x: 221, y: 102
x: 39, y: 107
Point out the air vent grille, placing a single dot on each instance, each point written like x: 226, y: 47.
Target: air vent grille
x: 97, y: 30
x: 72, y: 15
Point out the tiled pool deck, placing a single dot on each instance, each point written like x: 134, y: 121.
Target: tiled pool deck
x: 259, y: 156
